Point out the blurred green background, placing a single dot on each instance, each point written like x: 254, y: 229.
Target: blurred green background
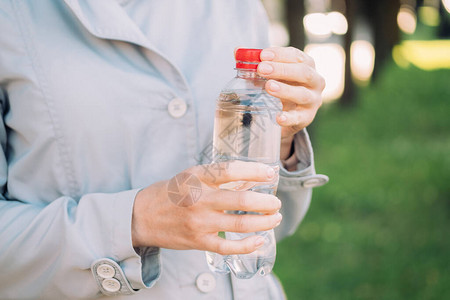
x: 380, y: 229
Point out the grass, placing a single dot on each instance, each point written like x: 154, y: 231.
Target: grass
x: 380, y: 229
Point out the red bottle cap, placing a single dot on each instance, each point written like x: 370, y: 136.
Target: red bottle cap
x: 247, y: 58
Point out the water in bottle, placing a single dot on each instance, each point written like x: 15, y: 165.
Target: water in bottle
x: 245, y: 128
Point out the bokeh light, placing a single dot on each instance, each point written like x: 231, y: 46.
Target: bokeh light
x: 406, y: 19
x: 338, y: 23
x: 446, y: 4
x: 426, y: 55
x: 330, y: 63
x: 362, y: 55
x: 429, y: 15
x: 316, y: 24
x: 322, y: 25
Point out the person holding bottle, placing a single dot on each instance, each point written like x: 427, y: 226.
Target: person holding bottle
x: 106, y: 106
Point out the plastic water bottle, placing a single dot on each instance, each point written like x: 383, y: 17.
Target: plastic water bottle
x: 245, y: 128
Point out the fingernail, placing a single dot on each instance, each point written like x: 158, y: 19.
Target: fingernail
x: 265, y: 68
x: 279, y: 204
x: 259, y: 242
x: 267, y: 55
x: 283, y: 117
x: 270, y: 172
x: 279, y: 217
x: 273, y: 86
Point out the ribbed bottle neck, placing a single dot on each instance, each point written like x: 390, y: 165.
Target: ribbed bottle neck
x: 248, y: 74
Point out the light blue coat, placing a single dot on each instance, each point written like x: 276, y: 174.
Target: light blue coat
x: 86, y: 91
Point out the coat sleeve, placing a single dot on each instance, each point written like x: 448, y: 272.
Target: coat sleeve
x: 295, y: 188
x: 46, y: 250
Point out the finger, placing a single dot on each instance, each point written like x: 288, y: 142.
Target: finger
x: 286, y: 55
x: 297, y: 94
x: 244, y: 201
x: 297, y: 119
x: 227, y: 247
x: 247, y: 222
x: 218, y: 173
x: 296, y: 73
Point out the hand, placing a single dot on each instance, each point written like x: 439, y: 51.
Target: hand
x: 294, y: 80
x: 170, y: 214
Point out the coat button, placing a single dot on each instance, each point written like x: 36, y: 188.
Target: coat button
x: 106, y: 271
x: 205, y: 282
x: 177, y: 107
x: 111, y: 285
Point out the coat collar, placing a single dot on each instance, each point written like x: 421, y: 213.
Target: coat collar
x: 107, y: 19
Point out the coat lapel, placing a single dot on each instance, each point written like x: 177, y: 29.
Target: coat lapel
x: 106, y: 19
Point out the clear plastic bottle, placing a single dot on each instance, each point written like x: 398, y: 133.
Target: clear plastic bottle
x: 245, y: 128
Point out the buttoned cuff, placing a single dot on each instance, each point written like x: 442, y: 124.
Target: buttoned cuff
x: 304, y: 176
x: 140, y: 267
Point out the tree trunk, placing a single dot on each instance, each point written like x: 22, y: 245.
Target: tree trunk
x: 349, y: 96
x: 383, y: 17
x: 295, y: 11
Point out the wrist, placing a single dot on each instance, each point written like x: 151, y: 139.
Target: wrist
x: 287, y: 147
x: 136, y: 221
